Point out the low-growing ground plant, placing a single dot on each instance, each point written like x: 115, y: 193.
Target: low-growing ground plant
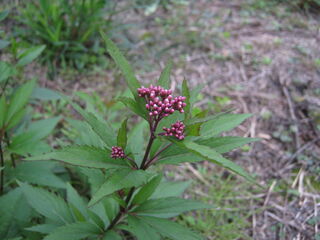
x: 129, y: 198
x: 68, y: 28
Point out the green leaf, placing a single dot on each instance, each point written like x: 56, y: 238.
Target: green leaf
x: 146, y: 191
x: 44, y: 127
x: 122, y: 135
x: 215, y: 157
x: 47, y: 204
x: 168, y: 207
x: 74, y: 231
x: 3, y: 44
x: 170, y: 229
x: 186, y: 93
x: 226, y: 144
x: 43, y: 228
x: 221, y: 124
x: 29, y: 55
x: 16, y: 119
x: 164, y: 80
x: 123, y: 178
x: 40, y: 173
x: 136, y: 141
x: 4, y: 14
x: 134, y: 106
x: 45, y: 94
x: 140, y: 230
x: 3, y: 110
x: 177, y: 159
x: 75, y: 199
x: 6, y: 71
x: 112, y: 235
x: 170, y: 189
x: 122, y: 63
x: 83, y: 156
x: 19, y: 99
x: 102, y: 129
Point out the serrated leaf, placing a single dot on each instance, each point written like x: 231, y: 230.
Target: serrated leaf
x: 133, y: 106
x: 74, y: 231
x: 186, y: 93
x: 168, y: 207
x: 37, y: 173
x: 29, y: 55
x: 83, y: 156
x: 221, y: 124
x: 123, y: 64
x: 102, y: 129
x: 123, y: 178
x: 140, y: 230
x: 45, y: 94
x: 47, y: 204
x: 136, y: 141
x: 170, y: 229
x: 112, y: 235
x: 146, y: 191
x: 177, y: 159
x: 164, y: 80
x: 43, y: 228
x: 226, y: 144
x: 170, y: 189
x: 122, y: 135
x: 75, y: 199
x: 6, y: 71
x: 215, y: 157
x: 19, y: 99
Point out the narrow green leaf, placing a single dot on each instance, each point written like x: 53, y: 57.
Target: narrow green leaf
x: 74, y: 231
x: 83, y: 156
x: 3, y: 44
x: 4, y: 14
x: 146, y: 191
x: 226, y: 144
x: 170, y: 229
x: 75, y: 199
x: 124, y: 178
x: 112, y: 235
x: 136, y: 141
x: 134, y: 106
x: 170, y: 189
x: 164, y: 80
x: 29, y: 55
x: 45, y: 94
x: 168, y: 207
x: 186, y: 93
x: 102, y: 129
x: 122, y: 63
x: 19, y: 99
x: 215, y: 157
x: 177, y: 159
x: 43, y: 228
x: 221, y: 124
x: 6, y: 71
x: 122, y: 135
x: 140, y: 230
x: 47, y: 204
x: 40, y: 173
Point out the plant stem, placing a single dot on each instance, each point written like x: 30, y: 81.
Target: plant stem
x: 155, y: 156
x: 8, y: 145
x: 2, y: 170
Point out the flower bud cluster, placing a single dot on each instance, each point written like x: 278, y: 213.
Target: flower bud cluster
x: 175, y: 130
x: 160, y: 101
x: 117, y: 152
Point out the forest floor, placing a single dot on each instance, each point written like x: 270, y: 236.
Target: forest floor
x: 257, y: 58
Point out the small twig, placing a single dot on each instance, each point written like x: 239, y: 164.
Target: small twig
x: 8, y: 145
x: 2, y: 166
x: 154, y: 159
